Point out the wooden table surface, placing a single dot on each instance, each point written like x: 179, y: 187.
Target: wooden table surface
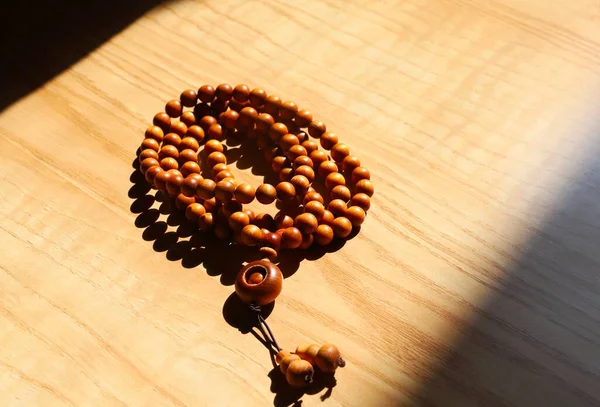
x: 474, y: 281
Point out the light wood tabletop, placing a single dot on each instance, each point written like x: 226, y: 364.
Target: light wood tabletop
x: 474, y: 281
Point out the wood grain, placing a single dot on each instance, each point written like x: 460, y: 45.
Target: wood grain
x: 474, y: 280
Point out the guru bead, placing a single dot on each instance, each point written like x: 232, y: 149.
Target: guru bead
x: 266, y: 290
x: 328, y: 359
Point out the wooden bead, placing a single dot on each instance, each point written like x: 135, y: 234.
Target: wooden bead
x: 150, y: 144
x: 174, y: 108
x: 328, y: 140
x: 272, y: 240
x: 296, y: 151
x: 316, y: 128
x: 268, y: 252
x: 279, y: 163
x: 206, y: 222
x: 342, y: 227
x: 182, y: 202
x: 194, y: 211
x: 327, y: 167
x: 280, y: 355
x: 310, y: 146
x: 241, y: 93
x: 291, y: 238
x: 155, y: 132
x: 315, y: 208
x: 341, y: 192
x: 230, y: 207
x: 266, y: 194
x: 303, y: 160
x: 160, y: 181
x: 360, y: 173
x: 196, y: 132
x: 211, y: 205
x: 206, y: 93
x: 307, y: 241
x: 190, y: 183
x: 302, y: 136
x: 247, y: 118
x: 334, y: 179
x: 187, y: 156
x: 250, y: 214
x: 349, y: 163
x: 263, y: 122
x: 172, y: 139
x: 218, y: 168
x: 306, y: 172
x: 257, y: 97
x: 364, y: 186
x: 301, y: 184
x: 189, y: 118
x: 308, y: 352
x: 285, y: 191
x: 328, y: 359
x: 356, y: 215
x: 299, y: 373
x: 272, y: 104
x: 224, y: 190
x: 223, y: 92
x: 174, y: 182
x: 169, y: 163
x: 327, y: 218
x: 189, y: 143
x: 283, y: 221
x: 216, y: 158
x: 339, y: 151
x: 238, y: 220
x: 277, y: 131
x: 229, y: 119
x: 324, y: 235
x: 303, y: 118
x: 216, y: 132
x: 306, y: 222
x: 319, y: 157
x: 188, y: 98
x: 361, y: 200
x: 313, y: 196
x: 168, y: 151
x: 245, y: 193
x: 337, y: 207
x: 286, y: 361
x: 206, y: 122
x: 152, y: 173
x: 206, y: 188
x: 288, y: 110
x: 287, y: 141
x: 286, y: 175
x: 213, y: 146
x: 148, y: 153
x: 163, y: 121
x: 222, y: 175
x: 178, y: 128
x: 264, y: 221
x: 251, y: 235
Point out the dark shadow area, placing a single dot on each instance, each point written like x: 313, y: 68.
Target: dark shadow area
x: 40, y: 39
x: 536, y: 341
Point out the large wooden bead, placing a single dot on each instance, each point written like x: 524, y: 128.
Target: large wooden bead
x: 187, y: 155
x: 349, y: 163
x: 316, y: 128
x: 213, y: 146
x: 364, y: 186
x: 313, y: 196
x: 206, y: 188
x: 303, y: 118
x: 264, y: 221
x: 285, y: 191
x: 302, y: 161
x: 241, y: 93
x: 339, y: 151
x: 328, y: 140
x: 245, y: 193
x: 279, y: 163
x: 206, y: 122
x: 211, y: 205
x: 291, y: 238
x: 206, y: 222
x: 178, y: 128
x: 277, y: 131
x: 229, y: 119
x: 306, y: 222
x: 189, y: 168
x: 150, y: 144
x: 272, y: 240
x: 299, y: 373
x: 169, y: 163
x: 174, y: 182
x: 247, y: 118
x: 266, y: 194
x: 190, y: 184
x: 327, y: 167
x: 337, y: 207
x: 334, y: 179
x: 174, y: 108
x: 356, y: 215
x: 289, y: 140
x: 283, y: 221
x: 216, y: 158
x: 163, y: 121
x: 147, y: 163
x: 223, y: 92
x: 152, y: 173
x: 219, y: 168
x: 222, y: 175
x: 251, y: 235
x: 362, y: 200
x: 324, y: 235
x: 224, y: 190
x: 257, y: 97
x: 310, y: 146
x: 301, y: 184
x: 172, y: 139
x: 168, y: 151
x: 319, y: 157
x: 263, y: 122
x: 288, y: 110
x: 238, y: 220
x: 327, y: 218
x: 328, y: 359
x: 272, y: 104
x: 189, y: 143
x: 342, y: 227
x: 232, y: 206
x: 341, y: 192
x: 315, y: 208
x: 196, y: 132
x: 216, y: 132
x: 296, y: 151
x: 155, y: 132
x: 189, y: 118
x: 307, y: 172
x: 188, y: 98
x: 308, y: 352
x: 360, y: 173
x: 160, y: 181
x: 206, y: 94
x: 286, y: 174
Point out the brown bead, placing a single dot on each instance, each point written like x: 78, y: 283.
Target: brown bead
x: 218, y: 168
x: 168, y: 150
x: 147, y: 163
x: 169, y: 163
x: 190, y: 184
x: 154, y: 132
x: 224, y: 190
x: 247, y: 118
x: 280, y: 355
x: 296, y: 151
x: 174, y: 108
x: 263, y: 122
x: 316, y: 128
x: 150, y: 144
x: 315, y: 208
x: 238, y: 220
x: 307, y: 241
x: 160, y: 181
x: 285, y: 191
x: 211, y: 205
x: 277, y: 131
x: 342, y: 227
x: 250, y: 214
x: 266, y: 194
x: 360, y: 173
x: 222, y: 175
x: 328, y: 140
x: 152, y: 173
x: 206, y: 222
x: 327, y: 218
x: 326, y: 169
x: 269, y: 287
x: 268, y: 252
x: 182, y: 202
x: 313, y: 196
x: 272, y: 104
x: 341, y: 192
x: 303, y: 160
x: 251, y: 235
x: 286, y: 174
x: 206, y: 122
x: 241, y: 93
x: 229, y: 119
x: 195, y: 132
x: 245, y: 193
x: 264, y: 221
x: 279, y: 163
x: 189, y: 118
x: 206, y: 188
x: 163, y: 121
x: 212, y: 146
x: 301, y: 184
x: 172, y: 139
x: 303, y: 118
x: 302, y: 136
x: 299, y: 373
x: 194, y: 211
x: 216, y: 158
x: 174, y: 182
x: 189, y: 143
x: 283, y: 221
x: 349, y: 163
x: 318, y: 157
x: 147, y: 153
x: 356, y: 215
x: 339, y: 151
x: 287, y: 141
x: 187, y: 156
x: 216, y: 132
x: 286, y: 361
x: 308, y: 352
x: 291, y: 238
x: 324, y: 235
x: 188, y: 98
x: 206, y: 94
x: 337, y: 207
x: 361, y: 200
x: 288, y: 110
x: 328, y: 359
x: 257, y: 97
x: 364, y: 186
x: 223, y: 92
x: 178, y: 128
x: 272, y: 240
x: 306, y: 222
